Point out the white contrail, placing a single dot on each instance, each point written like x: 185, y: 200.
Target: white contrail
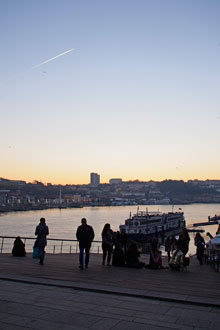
x: 53, y: 58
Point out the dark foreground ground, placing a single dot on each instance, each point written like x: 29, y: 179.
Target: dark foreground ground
x: 60, y: 296
x: 200, y: 283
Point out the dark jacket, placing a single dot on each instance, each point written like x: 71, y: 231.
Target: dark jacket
x: 133, y: 255
x: 18, y: 248
x: 108, y: 237
x: 85, y: 234
x: 41, y: 231
x: 199, y: 242
x: 183, y: 242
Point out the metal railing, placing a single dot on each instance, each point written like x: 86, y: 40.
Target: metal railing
x: 58, y: 245
x: 54, y: 245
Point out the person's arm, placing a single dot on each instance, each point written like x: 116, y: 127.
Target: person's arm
x: 78, y: 234
x: 92, y: 234
x: 188, y: 238
x: 36, y: 231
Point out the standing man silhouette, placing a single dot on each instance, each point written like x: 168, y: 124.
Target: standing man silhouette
x: 85, y: 235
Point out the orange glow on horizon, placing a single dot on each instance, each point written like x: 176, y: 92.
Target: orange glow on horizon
x: 85, y: 180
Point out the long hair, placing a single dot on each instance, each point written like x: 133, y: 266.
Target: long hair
x: 105, y: 229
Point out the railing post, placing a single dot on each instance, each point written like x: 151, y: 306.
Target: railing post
x: 61, y: 247
x: 2, y: 244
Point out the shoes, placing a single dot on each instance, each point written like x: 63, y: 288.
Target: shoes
x: 41, y: 262
x: 81, y: 267
x: 108, y: 265
x: 103, y: 263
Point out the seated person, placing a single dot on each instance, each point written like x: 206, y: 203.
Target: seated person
x: 175, y: 260
x: 118, y: 258
x: 178, y: 260
x: 18, y: 248
x: 132, y: 257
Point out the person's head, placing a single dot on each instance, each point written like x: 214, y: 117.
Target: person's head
x: 83, y: 221
x: 198, y: 235
x: 209, y: 235
x: 42, y: 220
x: 106, y: 228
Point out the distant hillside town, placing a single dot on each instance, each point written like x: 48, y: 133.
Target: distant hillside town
x: 17, y: 195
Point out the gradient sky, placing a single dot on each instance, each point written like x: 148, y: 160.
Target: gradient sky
x: 139, y: 98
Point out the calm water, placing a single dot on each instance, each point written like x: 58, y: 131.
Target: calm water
x: 63, y: 223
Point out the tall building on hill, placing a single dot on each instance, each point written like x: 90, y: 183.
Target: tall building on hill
x: 94, y: 179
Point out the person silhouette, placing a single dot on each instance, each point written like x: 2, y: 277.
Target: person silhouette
x: 18, y: 248
x: 85, y: 235
x: 41, y: 232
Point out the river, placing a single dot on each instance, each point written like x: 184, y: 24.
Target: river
x: 63, y: 223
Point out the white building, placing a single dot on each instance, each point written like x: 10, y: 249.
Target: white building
x: 115, y: 181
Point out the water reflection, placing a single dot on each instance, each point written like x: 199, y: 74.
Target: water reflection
x: 63, y: 223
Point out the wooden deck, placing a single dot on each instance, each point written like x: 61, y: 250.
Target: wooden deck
x: 200, y: 284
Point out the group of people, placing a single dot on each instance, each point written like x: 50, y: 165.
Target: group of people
x: 40, y: 243
x: 117, y: 250
x: 180, y: 247
x: 177, y: 249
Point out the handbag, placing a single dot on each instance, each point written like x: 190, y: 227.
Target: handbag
x: 37, y: 253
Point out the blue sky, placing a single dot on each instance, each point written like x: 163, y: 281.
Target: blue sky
x: 138, y: 98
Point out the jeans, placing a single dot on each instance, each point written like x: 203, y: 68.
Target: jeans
x: 83, y: 248
x: 107, y: 252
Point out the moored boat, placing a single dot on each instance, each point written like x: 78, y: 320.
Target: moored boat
x: 144, y: 225
x: 215, y: 218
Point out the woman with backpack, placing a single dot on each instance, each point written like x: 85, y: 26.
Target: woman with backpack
x: 107, y: 243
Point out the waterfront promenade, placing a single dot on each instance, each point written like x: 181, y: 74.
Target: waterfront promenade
x: 59, y: 295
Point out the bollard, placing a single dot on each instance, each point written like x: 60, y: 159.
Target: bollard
x: 70, y: 249
x: 61, y: 247
x: 54, y: 249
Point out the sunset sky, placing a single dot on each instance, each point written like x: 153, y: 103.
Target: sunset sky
x: 137, y: 98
